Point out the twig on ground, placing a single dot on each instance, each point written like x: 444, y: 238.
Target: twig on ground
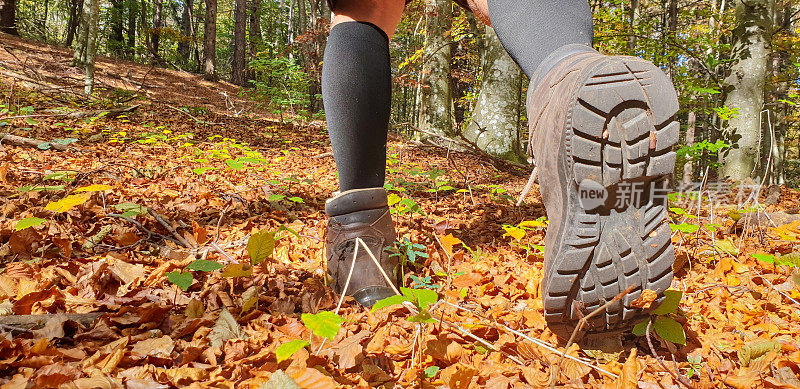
x: 678, y: 377
x: 584, y: 320
x: 535, y: 341
x: 33, y: 321
x: 169, y: 228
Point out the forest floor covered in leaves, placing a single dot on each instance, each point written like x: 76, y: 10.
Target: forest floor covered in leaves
x: 135, y: 240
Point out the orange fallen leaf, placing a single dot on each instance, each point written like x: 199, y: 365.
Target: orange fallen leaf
x: 645, y: 300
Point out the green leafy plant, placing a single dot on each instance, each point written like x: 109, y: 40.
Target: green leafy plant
x: 695, y: 151
x: 424, y: 283
x: 662, y: 320
x: 407, y: 252
x: 791, y: 259
x: 281, y: 81
x: 421, y: 298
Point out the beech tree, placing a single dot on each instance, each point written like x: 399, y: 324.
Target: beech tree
x: 436, y: 100
x: 744, y: 85
x: 495, y: 126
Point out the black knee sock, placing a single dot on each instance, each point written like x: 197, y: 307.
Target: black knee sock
x: 532, y: 30
x: 357, y: 92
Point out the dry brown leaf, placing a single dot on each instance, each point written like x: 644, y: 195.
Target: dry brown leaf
x: 160, y: 348
x: 630, y: 373
x: 225, y: 328
x: 195, y: 309
x: 644, y: 301
x: 746, y: 379
x: 309, y: 378
x: 182, y: 376
x: 462, y: 378
x: 467, y: 280
x: 445, y: 350
x: 53, y: 328
x: 52, y: 376
x: 349, y: 349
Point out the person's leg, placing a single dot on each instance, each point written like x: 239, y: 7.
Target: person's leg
x: 599, y: 124
x: 356, y: 89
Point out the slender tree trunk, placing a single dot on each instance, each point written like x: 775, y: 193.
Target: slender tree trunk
x: 494, y: 127
x: 8, y: 17
x: 672, y: 28
x: 82, y: 38
x: 75, y: 6
x: 144, y: 28
x: 44, y: 18
x: 155, y: 41
x: 745, y: 85
x: 132, y: 11
x: 239, y: 43
x: 210, y: 41
x: 688, y: 172
x: 91, y: 44
x: 184, y: 45
x: 436, y: 100
x: 633, y: 21
x: 255, y: 27
x: 116, y: 43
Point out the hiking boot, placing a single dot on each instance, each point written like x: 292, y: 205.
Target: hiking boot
x: 602, y: 132
x: 360, y: 213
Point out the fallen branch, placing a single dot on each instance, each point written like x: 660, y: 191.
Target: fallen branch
x: 80, y: 114
x: 30, y: 142
x: 582, y: 323
x: 169, y: 228
x: 34, y: 321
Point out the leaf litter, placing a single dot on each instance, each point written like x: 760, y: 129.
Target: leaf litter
x: 228, y: 288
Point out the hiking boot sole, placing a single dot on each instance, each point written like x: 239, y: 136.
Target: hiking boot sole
x: 618, y: 135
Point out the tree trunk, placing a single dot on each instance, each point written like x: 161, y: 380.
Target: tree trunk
x: 688, y: 172
x: 75, y: 7
x: 91, y: 43
x: 255, y: 27
x: 672, y: 28
x: 79, y: 56
x: 494, y: 127
x: 155, y: 41
x: 132, y: 12
x: 8, y: 17
x: 745, y: 85
x: 633, y: 20
x: 436, y: 100
x: 187, y: 36
x: 210, y: 41
x: 239, y: 43
x: 116, y: 43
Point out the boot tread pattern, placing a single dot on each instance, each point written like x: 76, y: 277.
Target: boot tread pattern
x: 620, y: 131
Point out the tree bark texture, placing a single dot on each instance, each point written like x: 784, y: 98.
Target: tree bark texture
x: 436, y: 101
x: 744, y: 86
x: 494, y: 126
x: 210, y: 41
x: 239, y: 43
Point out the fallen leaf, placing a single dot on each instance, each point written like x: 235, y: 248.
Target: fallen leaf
x: 224, y: 329
x: 630, y: 373
x: 645, y: 300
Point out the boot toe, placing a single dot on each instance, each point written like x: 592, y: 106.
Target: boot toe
x: 370, y: 295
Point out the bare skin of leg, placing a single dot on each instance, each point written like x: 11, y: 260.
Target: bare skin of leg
x: 385, y: 14
x: 481, y: 10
